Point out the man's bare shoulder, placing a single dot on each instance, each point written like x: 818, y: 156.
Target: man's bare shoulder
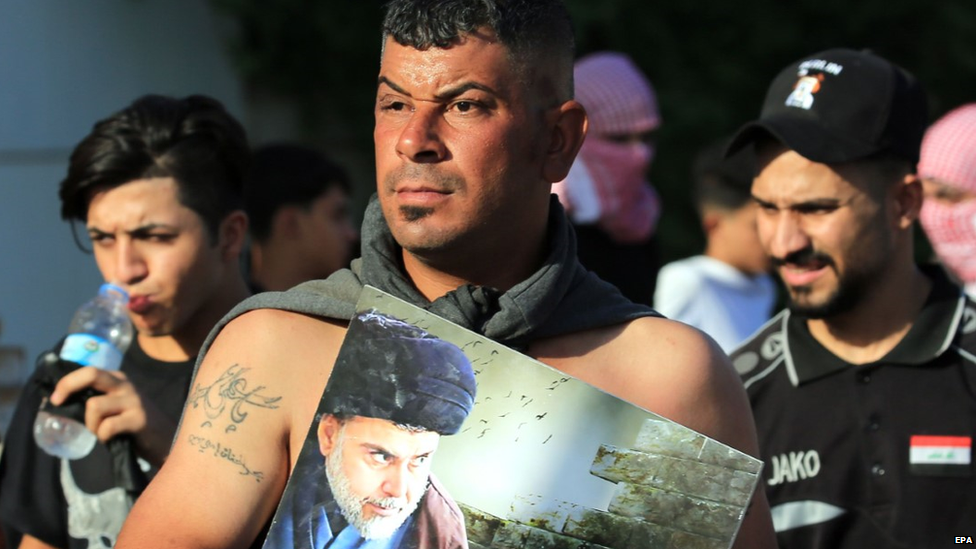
x: 285, y: 353
x: 246, y: 417
x: 272, y: 335
x: 637, y: 343
x: 265, y: 325
x: 661, y: 365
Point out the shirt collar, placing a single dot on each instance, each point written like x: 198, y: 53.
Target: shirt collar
x: 931, y: 334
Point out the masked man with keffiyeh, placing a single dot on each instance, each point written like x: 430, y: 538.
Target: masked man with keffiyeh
x: 947, y: 167
x: 613, y: 207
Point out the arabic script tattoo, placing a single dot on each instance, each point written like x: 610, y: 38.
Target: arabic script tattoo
x: 204, y: 444
x: 230, y: 393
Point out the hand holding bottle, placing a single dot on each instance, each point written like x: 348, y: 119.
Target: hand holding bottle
x: 119, y: 409
x: 98, y: 336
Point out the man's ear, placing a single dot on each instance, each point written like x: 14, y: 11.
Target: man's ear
x: 232, y: 235
x: 567, y: 131
x: 328, y: 434
x: 286, y: 222
x: 908, y: 197
x: 710, y: 220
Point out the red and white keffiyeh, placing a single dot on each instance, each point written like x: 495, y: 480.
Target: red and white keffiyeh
x: 608, y: 185
x: 948, y: 156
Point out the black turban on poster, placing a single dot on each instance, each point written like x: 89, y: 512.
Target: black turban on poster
x: 388, y: 369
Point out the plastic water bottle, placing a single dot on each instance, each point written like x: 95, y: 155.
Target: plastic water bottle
x: 98, y: 336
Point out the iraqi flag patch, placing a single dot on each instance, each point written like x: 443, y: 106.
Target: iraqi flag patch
x: 946, y: 456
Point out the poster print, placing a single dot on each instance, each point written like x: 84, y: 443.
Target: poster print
x: 431, y: 436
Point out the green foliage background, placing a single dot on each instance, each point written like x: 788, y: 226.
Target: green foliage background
x: 709, y: 60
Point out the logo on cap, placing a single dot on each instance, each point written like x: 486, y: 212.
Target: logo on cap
x: 803, y: 90
x: 807, y: 85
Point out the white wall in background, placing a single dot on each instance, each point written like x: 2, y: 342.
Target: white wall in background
x: 63, y: 66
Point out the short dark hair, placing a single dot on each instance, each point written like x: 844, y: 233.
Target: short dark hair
x: 724, y: 183
x: 882, y: 169
x: 888, y: 166
x: 285, y: 174
x: 194, y: 140
x: 534, y: 31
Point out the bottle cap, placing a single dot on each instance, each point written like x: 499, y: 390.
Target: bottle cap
x: 109, y: 289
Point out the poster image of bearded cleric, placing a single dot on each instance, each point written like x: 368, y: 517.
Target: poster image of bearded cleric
x: 363, y: 479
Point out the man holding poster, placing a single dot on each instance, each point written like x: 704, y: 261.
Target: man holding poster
x: 475, y: 119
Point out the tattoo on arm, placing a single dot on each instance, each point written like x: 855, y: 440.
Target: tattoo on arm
x: 204, y: 444
x: 230, y: 393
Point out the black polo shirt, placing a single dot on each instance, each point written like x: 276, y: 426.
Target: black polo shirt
x: 875, y: 455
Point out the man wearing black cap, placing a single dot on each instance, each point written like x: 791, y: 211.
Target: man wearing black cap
x: 863, y: 389
x: 394, y: 392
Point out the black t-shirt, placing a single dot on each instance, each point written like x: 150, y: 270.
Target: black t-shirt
x: 875, y: 455
x: 35, y: 488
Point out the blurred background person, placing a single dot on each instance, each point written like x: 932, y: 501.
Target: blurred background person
x: 727, y: 292
x: 606, y: 194
x: 948, y: 170
x: 158, y: 187
x: 301, y: 228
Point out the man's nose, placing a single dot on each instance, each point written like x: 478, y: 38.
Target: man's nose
x: 130, y: 265
x: 420, y: 140
x: 788, y: 235
x: 396, y: 482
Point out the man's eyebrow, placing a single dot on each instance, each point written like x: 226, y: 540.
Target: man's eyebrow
x: 449, y: 93
x: 142, y: 229
x: 816, y: 202
x: 384, y: 80
x: 377, y: 448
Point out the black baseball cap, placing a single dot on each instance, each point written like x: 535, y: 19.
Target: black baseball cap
x: 840, y: 105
